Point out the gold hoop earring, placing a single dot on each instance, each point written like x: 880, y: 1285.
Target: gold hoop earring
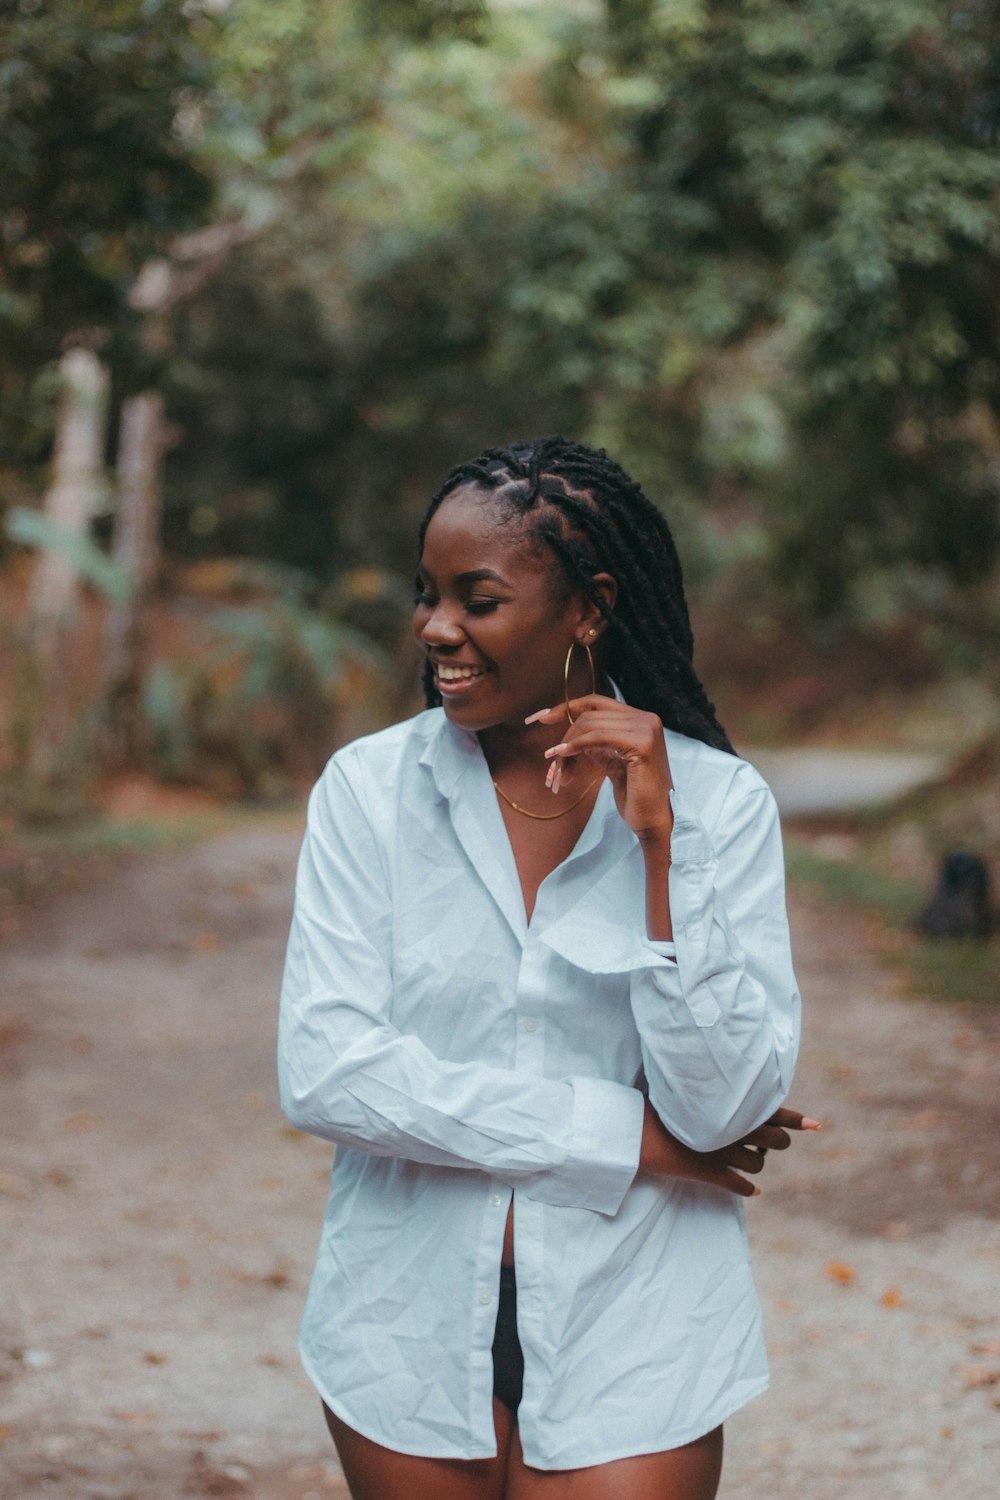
x: 593, y: 674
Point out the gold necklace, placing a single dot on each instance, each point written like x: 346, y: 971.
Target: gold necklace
x: 546, y: 817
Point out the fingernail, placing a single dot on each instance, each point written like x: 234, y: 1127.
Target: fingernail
x: 549, y: 774
x: 808, y: 1124
x: 556, y: 750
x: 533, y: 718
x: 557, y: 778
x: 755, y: 1193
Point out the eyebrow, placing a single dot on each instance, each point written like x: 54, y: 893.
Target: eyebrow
x: 474, y: 575
x: 481, y: 575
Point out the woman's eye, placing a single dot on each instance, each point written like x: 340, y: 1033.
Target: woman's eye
x: 421, y: 596
x: 481, y: 606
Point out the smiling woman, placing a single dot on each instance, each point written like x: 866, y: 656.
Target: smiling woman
x: 538, y: 990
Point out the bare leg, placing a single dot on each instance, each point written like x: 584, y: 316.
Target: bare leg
x: 688, y: 1473
x: 376, y: 1473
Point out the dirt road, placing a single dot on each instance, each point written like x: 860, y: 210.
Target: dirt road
x: 158, y: 1219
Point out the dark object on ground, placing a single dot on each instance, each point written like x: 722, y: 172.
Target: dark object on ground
x: 960, y: 906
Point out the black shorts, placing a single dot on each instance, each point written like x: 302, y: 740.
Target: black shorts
x: 508, y: 1361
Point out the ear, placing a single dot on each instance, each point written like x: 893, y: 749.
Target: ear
x: 591, y: 624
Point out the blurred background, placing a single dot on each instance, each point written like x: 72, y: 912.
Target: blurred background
x: 268, y: 268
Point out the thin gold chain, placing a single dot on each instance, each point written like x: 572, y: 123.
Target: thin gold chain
x: 546, y: 817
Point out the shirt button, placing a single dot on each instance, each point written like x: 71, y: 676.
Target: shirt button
x: 530, y: 1024
x: 485, y: 1298
x: 495, y: 1199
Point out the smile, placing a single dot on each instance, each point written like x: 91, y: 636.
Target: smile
x: 457, y: 674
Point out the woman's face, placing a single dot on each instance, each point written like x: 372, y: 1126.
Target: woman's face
x: 492, y: 615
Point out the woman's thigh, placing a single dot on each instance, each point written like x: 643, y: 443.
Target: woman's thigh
x: 688, y: 1473
x: 376, y: 1473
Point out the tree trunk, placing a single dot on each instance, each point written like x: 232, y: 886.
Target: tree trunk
x: 74, y: 496
x: 77, y: 486
x: 135, y: 547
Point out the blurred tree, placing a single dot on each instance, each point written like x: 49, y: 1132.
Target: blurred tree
x: 95, y: 179
x: 337, y: 368
x: 814, y: 187
x: 751, y: 247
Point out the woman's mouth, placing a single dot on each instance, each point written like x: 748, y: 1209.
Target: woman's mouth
x: 453, y: 680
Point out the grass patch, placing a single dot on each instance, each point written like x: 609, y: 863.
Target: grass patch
x: 845, y: 882
x: 959, y: 969
x: 954, y: 970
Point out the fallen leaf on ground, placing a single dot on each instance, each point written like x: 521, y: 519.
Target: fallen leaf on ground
x: 277, y: 1277
x: 841, y: 1272
x: 891, y: 1297
x: 134, y: 1416
x: 992, y: 1346
x: 979, y: 1377
x: 152, y: 1358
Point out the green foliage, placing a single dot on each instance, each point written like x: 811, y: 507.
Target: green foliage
x: 830, y: 169
x: 751, y: 248
x: 31, y: 528
x: 255, y: 708
x: 95, y: 177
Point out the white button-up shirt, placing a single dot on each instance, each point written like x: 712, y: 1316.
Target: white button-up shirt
x: 462, y: 1057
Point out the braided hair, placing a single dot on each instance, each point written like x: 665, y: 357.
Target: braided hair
x: 584, y: 508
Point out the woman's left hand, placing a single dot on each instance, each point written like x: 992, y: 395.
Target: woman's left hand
x: 626, y: 743
x: 749, y: 1153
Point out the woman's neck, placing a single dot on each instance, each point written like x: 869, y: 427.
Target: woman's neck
x: 515, y: 747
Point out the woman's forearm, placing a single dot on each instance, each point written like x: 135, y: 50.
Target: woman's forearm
x: 656, y: 852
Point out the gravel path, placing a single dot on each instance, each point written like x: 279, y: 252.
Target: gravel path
x: 807, y: 781
x: 158, y: 1219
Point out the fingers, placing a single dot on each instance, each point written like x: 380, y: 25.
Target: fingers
x: 771, y: 1137
x: 557, y: 714
x: 733, y: 1183
x: 792, y: 1120
x: 744, y: 1157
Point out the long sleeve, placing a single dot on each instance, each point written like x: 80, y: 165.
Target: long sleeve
x: 719, y: 1025
x: 717, y: 1010
x: 348, y: 1074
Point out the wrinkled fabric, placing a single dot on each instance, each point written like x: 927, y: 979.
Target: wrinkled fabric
x: 461, y: 1057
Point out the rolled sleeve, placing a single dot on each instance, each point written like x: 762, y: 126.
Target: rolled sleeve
x: 720, y: 1025
x: 716, y: 1009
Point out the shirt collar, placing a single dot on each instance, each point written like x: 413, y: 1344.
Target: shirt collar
x: 458, y: 767
x: 450, y: 752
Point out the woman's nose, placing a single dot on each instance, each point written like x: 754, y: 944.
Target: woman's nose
x: 441, y: 628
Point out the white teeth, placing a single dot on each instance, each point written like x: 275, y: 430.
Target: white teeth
x: 458, y: 674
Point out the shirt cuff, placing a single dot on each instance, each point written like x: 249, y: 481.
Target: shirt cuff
x: 607, y: 1136
x: 689, y: 840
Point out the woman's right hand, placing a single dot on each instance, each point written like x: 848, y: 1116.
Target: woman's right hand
x: 662, y: 1154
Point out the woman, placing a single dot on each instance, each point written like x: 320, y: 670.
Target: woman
x: 538, y: 990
